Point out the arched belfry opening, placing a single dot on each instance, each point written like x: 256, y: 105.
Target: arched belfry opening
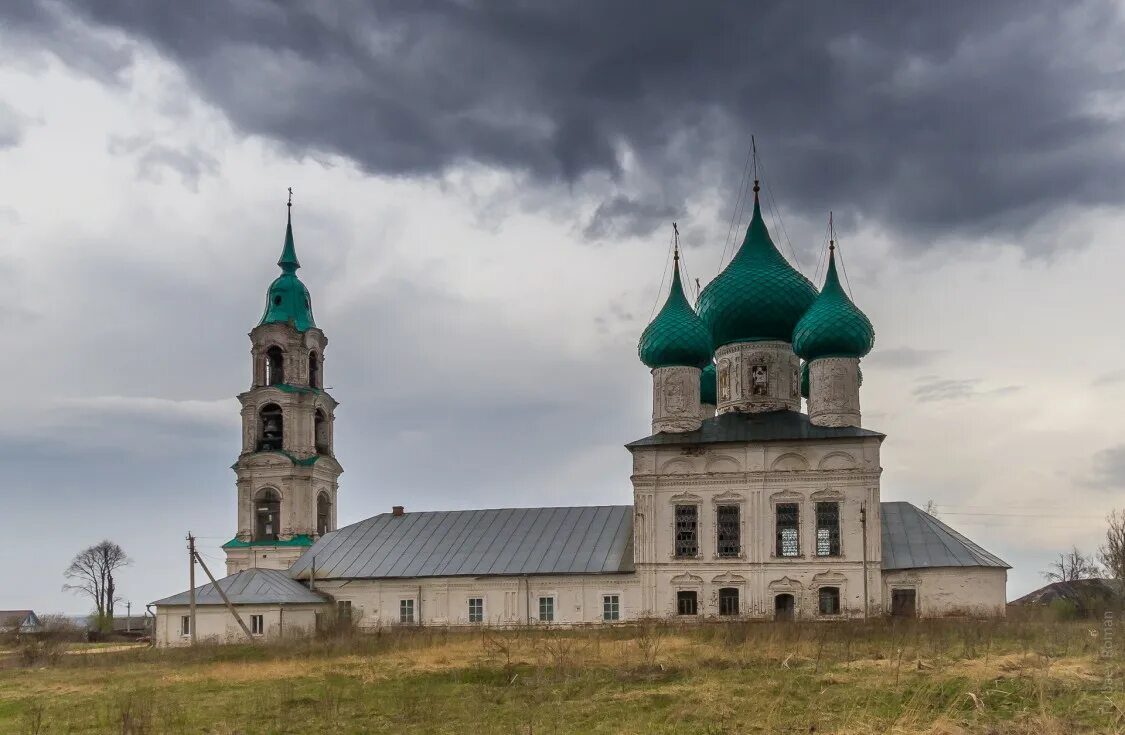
x: 271, y: 430
x: 323, y: 513
x: 267, y: 515
x: 320, y: 431
x: 275, y: 366
x: 314, y: 370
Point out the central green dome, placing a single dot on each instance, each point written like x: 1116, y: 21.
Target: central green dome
x: 833, y: 326
x: 287, y: 300
x: 758, y: 296
x: 676, y: 337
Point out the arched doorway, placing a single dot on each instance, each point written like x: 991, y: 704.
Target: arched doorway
x: 784, y: 607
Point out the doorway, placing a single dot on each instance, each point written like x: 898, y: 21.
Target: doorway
x: 904, y: 603
x: 783, y: 607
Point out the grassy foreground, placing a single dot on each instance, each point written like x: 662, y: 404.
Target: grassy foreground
x: 939, y: 677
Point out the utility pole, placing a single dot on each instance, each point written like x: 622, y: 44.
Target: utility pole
x: 128, y: 617
x: 191, y: 585
x: 226, y: 600
x: 863, y: 523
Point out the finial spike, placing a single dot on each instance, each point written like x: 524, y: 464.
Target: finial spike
x: 290, y: 202
x: 676, y: 242
x: 754, y: 155
x: 831, y: 232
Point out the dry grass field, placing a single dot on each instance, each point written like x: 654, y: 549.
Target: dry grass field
x: 939, y: 677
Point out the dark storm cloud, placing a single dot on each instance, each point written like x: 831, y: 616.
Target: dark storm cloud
x: 932, y: 118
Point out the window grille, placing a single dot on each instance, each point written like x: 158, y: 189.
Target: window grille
x: 827, y: 529
x: 687, y: 603
x: 788, y: 523
x: 547, y: 609
x: 611, y: 607
x: 476, y: 609
x: 687, y: 530
x: 728, y: 531
x: 728, y: 601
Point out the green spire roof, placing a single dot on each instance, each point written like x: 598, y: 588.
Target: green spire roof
x: 758, y: 296
x: 287, y: 300
x: 707, y: 393
x: 833, y: 326
x: 676, y: 336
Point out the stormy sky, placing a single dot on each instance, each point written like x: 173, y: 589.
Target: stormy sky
x: 483, y: 199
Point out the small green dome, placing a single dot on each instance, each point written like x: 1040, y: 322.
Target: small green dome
x: 287, y: 300
x: 676, y: 336
x: 833, y: 326
x: 707, y: 386
x: 758, y: 296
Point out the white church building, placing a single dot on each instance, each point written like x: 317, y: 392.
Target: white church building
x: 744, y: 506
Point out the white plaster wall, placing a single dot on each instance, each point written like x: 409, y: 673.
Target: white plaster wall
x: 757, y: 477
x: 507, y: 600
x: 977, y: 591
x: 262, y: 557
x: 215, y: 624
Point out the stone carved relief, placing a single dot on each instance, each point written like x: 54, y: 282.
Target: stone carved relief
x: 785, y: 584
x: 687, y: 579
x: 724, y: 380
x: 674, y: 399
x: 834, y: 400
x: 727, y: 578
x: 759, y: 379
x: 795, y: 383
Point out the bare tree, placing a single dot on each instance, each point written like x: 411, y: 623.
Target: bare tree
x: 1071, y: 566
x: 91, y: 574
x: 1112, y: 553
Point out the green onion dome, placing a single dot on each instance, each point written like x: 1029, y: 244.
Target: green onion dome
x: 758, y: 296
x: 833, y: 326
x: 287, y: 300
x: 676, y: 336
x: 707, y: 393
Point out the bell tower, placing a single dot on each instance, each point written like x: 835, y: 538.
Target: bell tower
x: 287, y: 471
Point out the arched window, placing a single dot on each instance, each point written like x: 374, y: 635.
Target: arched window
x: 275, y: 366
x: 783, y: 607
x: 728, y: 601
x: 323, y: 514
x: 320, y: 433
x: 314, y: 370
x: 270, y: 428
x: 267, y: 515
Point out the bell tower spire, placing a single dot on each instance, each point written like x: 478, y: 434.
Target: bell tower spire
x: 287, y: 471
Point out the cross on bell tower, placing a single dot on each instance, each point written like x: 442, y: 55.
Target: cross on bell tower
x: 287, y: 471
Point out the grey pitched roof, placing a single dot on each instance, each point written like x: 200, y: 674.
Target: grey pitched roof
x: 249, y: 587
x: 755, y: 427
x: 506, y: 541
x: 1083, y: 592
x: 914, y: 539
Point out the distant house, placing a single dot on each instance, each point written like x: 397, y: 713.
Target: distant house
x: 19, y: 622
x: 137, y: 625
x: 1086, y: 595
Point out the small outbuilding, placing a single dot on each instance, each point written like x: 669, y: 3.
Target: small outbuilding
x: 270, y: 602
x: 19, y: 622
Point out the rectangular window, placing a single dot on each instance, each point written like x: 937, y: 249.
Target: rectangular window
x: 185, y: 625
x: 728, y: 531
x: 687, y: 530
x: 547, y: 609
x: 827, y: 529
x: 476, y: 609
x: 406, y: 611
x: 344, y: 611
x: 829, y: 600
x: 788, y: 523
x: 611, y: 607
x: 728, y: 601
x: 687, y: 603
x: 257, y: 625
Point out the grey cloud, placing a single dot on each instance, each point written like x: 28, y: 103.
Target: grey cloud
x: 621, y: 216
x: 12, y: 126
x: 1108, y: 469
x: 153, y: 158
x: 903, y: 357
x: 1110, y: 378
x: 935, y: 119
x: 932, y: 388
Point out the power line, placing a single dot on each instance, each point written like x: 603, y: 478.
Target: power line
x: 664, y: 275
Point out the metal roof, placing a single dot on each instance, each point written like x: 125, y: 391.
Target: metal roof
x: 505, y: 541
x: 755, y: 427
x: 914, y: 539
x: 250, y: 587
